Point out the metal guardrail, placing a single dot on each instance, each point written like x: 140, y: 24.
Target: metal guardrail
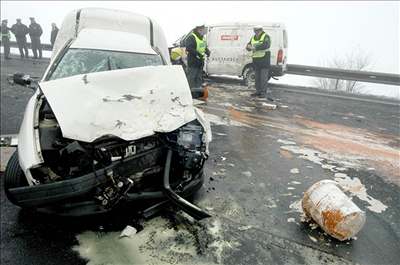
x: 334, y: 73
x: 45, y: 46
x: 315, y: 71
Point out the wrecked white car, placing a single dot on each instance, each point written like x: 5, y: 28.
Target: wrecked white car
x: 110, y: 121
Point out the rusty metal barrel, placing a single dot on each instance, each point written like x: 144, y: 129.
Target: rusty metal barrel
x: 333, y: 210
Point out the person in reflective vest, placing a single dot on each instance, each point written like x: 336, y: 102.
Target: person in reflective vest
x: 196, y: 48
x: 5, y: 38
x: 259, y: 47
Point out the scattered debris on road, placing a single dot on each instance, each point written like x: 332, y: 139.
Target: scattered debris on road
x: 128, y: 231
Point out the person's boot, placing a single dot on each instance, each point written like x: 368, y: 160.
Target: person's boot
x: 256, y: 94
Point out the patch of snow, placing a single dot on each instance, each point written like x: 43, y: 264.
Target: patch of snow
x: 313, y: 239
x: 247, y: 173
x: 285, y: 142
x: 356, y: 188
x: 294, y: 171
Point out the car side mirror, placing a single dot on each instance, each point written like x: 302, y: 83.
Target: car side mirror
x: 24, y: 80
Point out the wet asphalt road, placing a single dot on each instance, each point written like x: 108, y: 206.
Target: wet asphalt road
x: 247, y: 186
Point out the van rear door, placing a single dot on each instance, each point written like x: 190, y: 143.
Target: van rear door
x: 228, y: 50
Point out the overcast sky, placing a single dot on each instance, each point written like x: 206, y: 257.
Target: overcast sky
x: 317, y: 31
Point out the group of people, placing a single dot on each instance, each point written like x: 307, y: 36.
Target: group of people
x: 20, y: 31
x: 196, y: 49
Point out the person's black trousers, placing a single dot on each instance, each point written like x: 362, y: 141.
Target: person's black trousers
x: 6, y: 44
x: 36, y: 46
x: 195, y: 76
x: 261, y: 79
x: 22, y: 47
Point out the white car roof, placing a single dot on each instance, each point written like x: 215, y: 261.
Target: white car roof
x: 101, y: 39
x: 111, y: 20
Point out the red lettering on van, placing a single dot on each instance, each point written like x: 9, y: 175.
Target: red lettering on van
x: 229, y: 37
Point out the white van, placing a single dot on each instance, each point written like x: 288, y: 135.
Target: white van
x: 227, y: 44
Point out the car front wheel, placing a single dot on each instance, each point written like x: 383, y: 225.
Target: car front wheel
x: 13, y: 177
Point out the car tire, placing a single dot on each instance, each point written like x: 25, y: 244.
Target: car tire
x: 13, y: 177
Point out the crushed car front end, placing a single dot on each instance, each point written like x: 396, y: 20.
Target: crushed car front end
x: 85, y: 147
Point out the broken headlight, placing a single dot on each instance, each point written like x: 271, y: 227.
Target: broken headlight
x: 188, y: 143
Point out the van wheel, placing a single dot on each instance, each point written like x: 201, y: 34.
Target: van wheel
x: 249, y: 77
x: 13, y: 177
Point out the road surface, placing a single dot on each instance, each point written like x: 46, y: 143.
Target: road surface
x: 261, y: 162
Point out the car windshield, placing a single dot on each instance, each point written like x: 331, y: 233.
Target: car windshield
x: 83, y: 61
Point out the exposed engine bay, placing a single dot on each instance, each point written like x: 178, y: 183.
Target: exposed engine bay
x: 130, y: 166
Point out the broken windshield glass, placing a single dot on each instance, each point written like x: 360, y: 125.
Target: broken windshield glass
x: 83, y: 61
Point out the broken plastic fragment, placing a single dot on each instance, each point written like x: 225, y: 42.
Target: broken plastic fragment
x: 128, y: 231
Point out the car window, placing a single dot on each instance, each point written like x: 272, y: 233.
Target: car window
x: 83, y: 61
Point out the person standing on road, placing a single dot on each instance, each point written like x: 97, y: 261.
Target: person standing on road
x: 35, y: 31
x: 54, y: 32
x: 5, y: 38
x: 20, y: 31
x: 196, y: 49
x: 259, y: 46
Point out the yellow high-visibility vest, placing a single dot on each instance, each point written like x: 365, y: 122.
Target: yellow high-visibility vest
x: 254, y: 43
x: 200, y: 45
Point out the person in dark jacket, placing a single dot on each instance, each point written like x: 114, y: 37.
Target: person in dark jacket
x: 20, y: 30
x: 35, y: 31
x: 259, y: 46
x: 54, y: 32
x: 196, y: 49
x: 5, y: 38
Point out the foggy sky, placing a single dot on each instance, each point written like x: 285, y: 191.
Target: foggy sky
x: 317, y: 31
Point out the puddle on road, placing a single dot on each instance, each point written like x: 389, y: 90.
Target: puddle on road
x: 177, y: 240
x: 158, y: 243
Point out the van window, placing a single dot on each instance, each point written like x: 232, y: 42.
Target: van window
x: 285, y: 40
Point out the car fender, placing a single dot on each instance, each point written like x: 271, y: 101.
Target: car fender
x: 29, y: 153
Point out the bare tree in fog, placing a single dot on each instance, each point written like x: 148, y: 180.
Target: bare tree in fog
x: 356, y: 60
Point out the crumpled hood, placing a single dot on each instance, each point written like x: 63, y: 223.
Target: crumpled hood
x: 130, y: 103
